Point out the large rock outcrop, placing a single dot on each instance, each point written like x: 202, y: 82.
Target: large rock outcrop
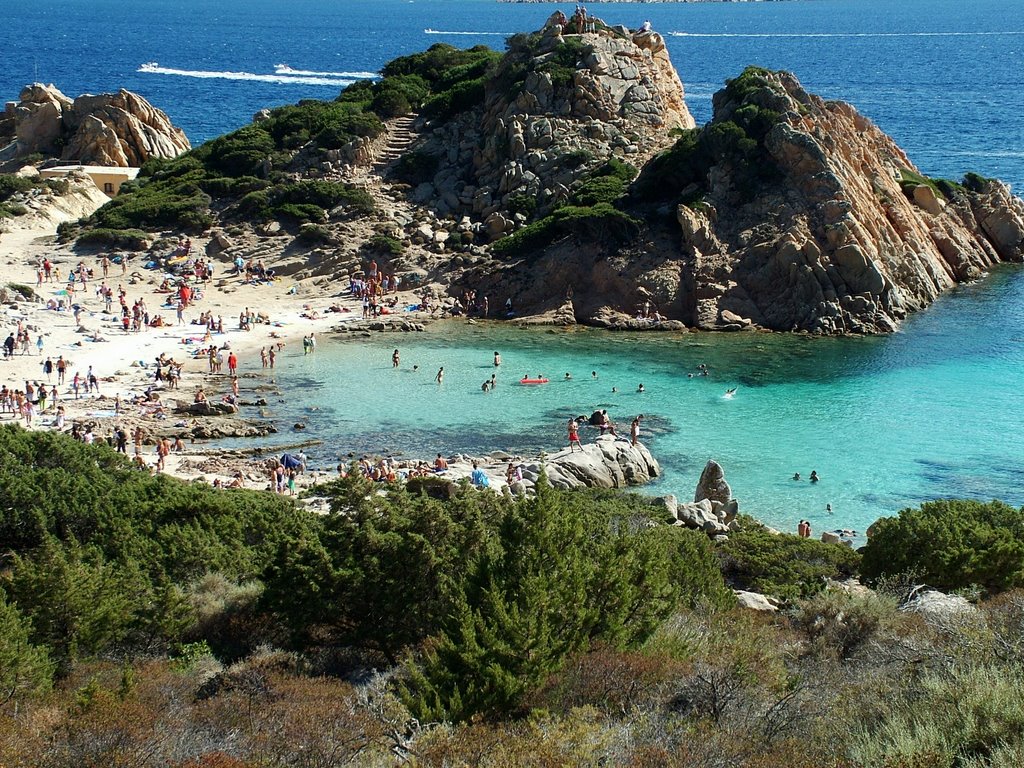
x: 113, y: 129
x: 796, y: 214
x: 837, y: 231
x: 559, y: 104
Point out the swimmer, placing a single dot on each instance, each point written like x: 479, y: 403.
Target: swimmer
x: 828, y: 508
x: 497, y: 359
x: 440, y: 376
x: 494, y: 380
x: 593, y: 374
x: 415, y: 368
x: 814, y: 476
x: 486, y: 386
x: 640, y: 388
x: 796, y: 475
x: 568, y: 376
x: 730, y: 392
x: 614, y: 390
x: 395, y: 359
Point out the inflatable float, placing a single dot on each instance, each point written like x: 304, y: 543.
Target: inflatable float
x: 525, y: 380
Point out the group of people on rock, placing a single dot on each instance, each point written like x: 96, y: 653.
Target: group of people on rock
x: 600, y: 419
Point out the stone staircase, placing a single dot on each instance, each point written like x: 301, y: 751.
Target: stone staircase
x: 400, y: 137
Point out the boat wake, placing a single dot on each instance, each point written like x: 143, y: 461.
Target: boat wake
x: 154, y: 68
x: 429, y: 31
x: 284, y: 69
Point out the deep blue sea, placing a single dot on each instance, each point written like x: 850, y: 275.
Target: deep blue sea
x: 943, y: 77
x: 935, y: 410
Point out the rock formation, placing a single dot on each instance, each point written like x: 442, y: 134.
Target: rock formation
x: 797, y: 214
x: 608, y: 462
x: 118, y: 129
x: 559, y: 104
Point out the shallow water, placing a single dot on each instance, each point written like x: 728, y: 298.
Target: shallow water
x: 887, y: 422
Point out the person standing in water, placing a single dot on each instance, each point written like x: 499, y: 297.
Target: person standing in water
x: 395, y: 359
x: 497, y: 359
x: 440, y: 376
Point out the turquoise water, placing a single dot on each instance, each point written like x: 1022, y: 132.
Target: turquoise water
x: 936, y: 410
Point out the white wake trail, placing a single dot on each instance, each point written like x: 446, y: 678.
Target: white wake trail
x: 154, y: 68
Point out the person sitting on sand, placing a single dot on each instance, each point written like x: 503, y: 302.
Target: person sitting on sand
x: 200, y: 396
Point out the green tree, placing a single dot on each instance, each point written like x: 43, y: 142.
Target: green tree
x: 24, y: 668
x: 561, y: 573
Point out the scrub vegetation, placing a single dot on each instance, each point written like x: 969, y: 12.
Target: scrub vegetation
x: 145, y: 621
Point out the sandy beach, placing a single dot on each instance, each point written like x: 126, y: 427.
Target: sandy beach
x: 124, y: 362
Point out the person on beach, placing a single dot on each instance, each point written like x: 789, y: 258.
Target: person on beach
x: 574, y: 436
x: 62, y: 369
x: 395, y: 359
x: 263, y: 356
x: 634, y: 429
x: 514, y: 473
x: 271, y: 356
x: 48, y: 368
x: 440, y: 376
x: 232, y: 364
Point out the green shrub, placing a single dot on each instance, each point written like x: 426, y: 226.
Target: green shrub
x: 416, y: 167
x: 951, y: 544
x: 314, y: 234
x: 782, y: 565
x: 523, y: 203
x: 459, y: 98
x: 598, y: 189
x: 736, y: 141
x: 25, y: 669
x: 385, y: 245
x: 300, y: 212
x: 25, y: 291
x: 127, y: 239
x: 597, y: 223
x: 12, y: 185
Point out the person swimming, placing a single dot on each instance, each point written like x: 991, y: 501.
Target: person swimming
x: 640, y: 388
x: 796, y: 475
x: 814, y: 476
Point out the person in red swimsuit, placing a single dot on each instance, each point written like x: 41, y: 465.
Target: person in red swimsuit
x: 574, y: 436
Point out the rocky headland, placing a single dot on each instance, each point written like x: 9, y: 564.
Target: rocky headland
x: 566, y: 179
x: 113, y: 129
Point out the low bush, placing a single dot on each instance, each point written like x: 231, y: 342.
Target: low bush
x: 782, y: 565
x: 127, y: 239
x: 597, y: 223
x: 416, y: 167
x: 314, y: 234
x: 384, y: 245
x: 951, y: 544
x: 838, y: 622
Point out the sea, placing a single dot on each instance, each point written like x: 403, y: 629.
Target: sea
x: 935, y: 410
